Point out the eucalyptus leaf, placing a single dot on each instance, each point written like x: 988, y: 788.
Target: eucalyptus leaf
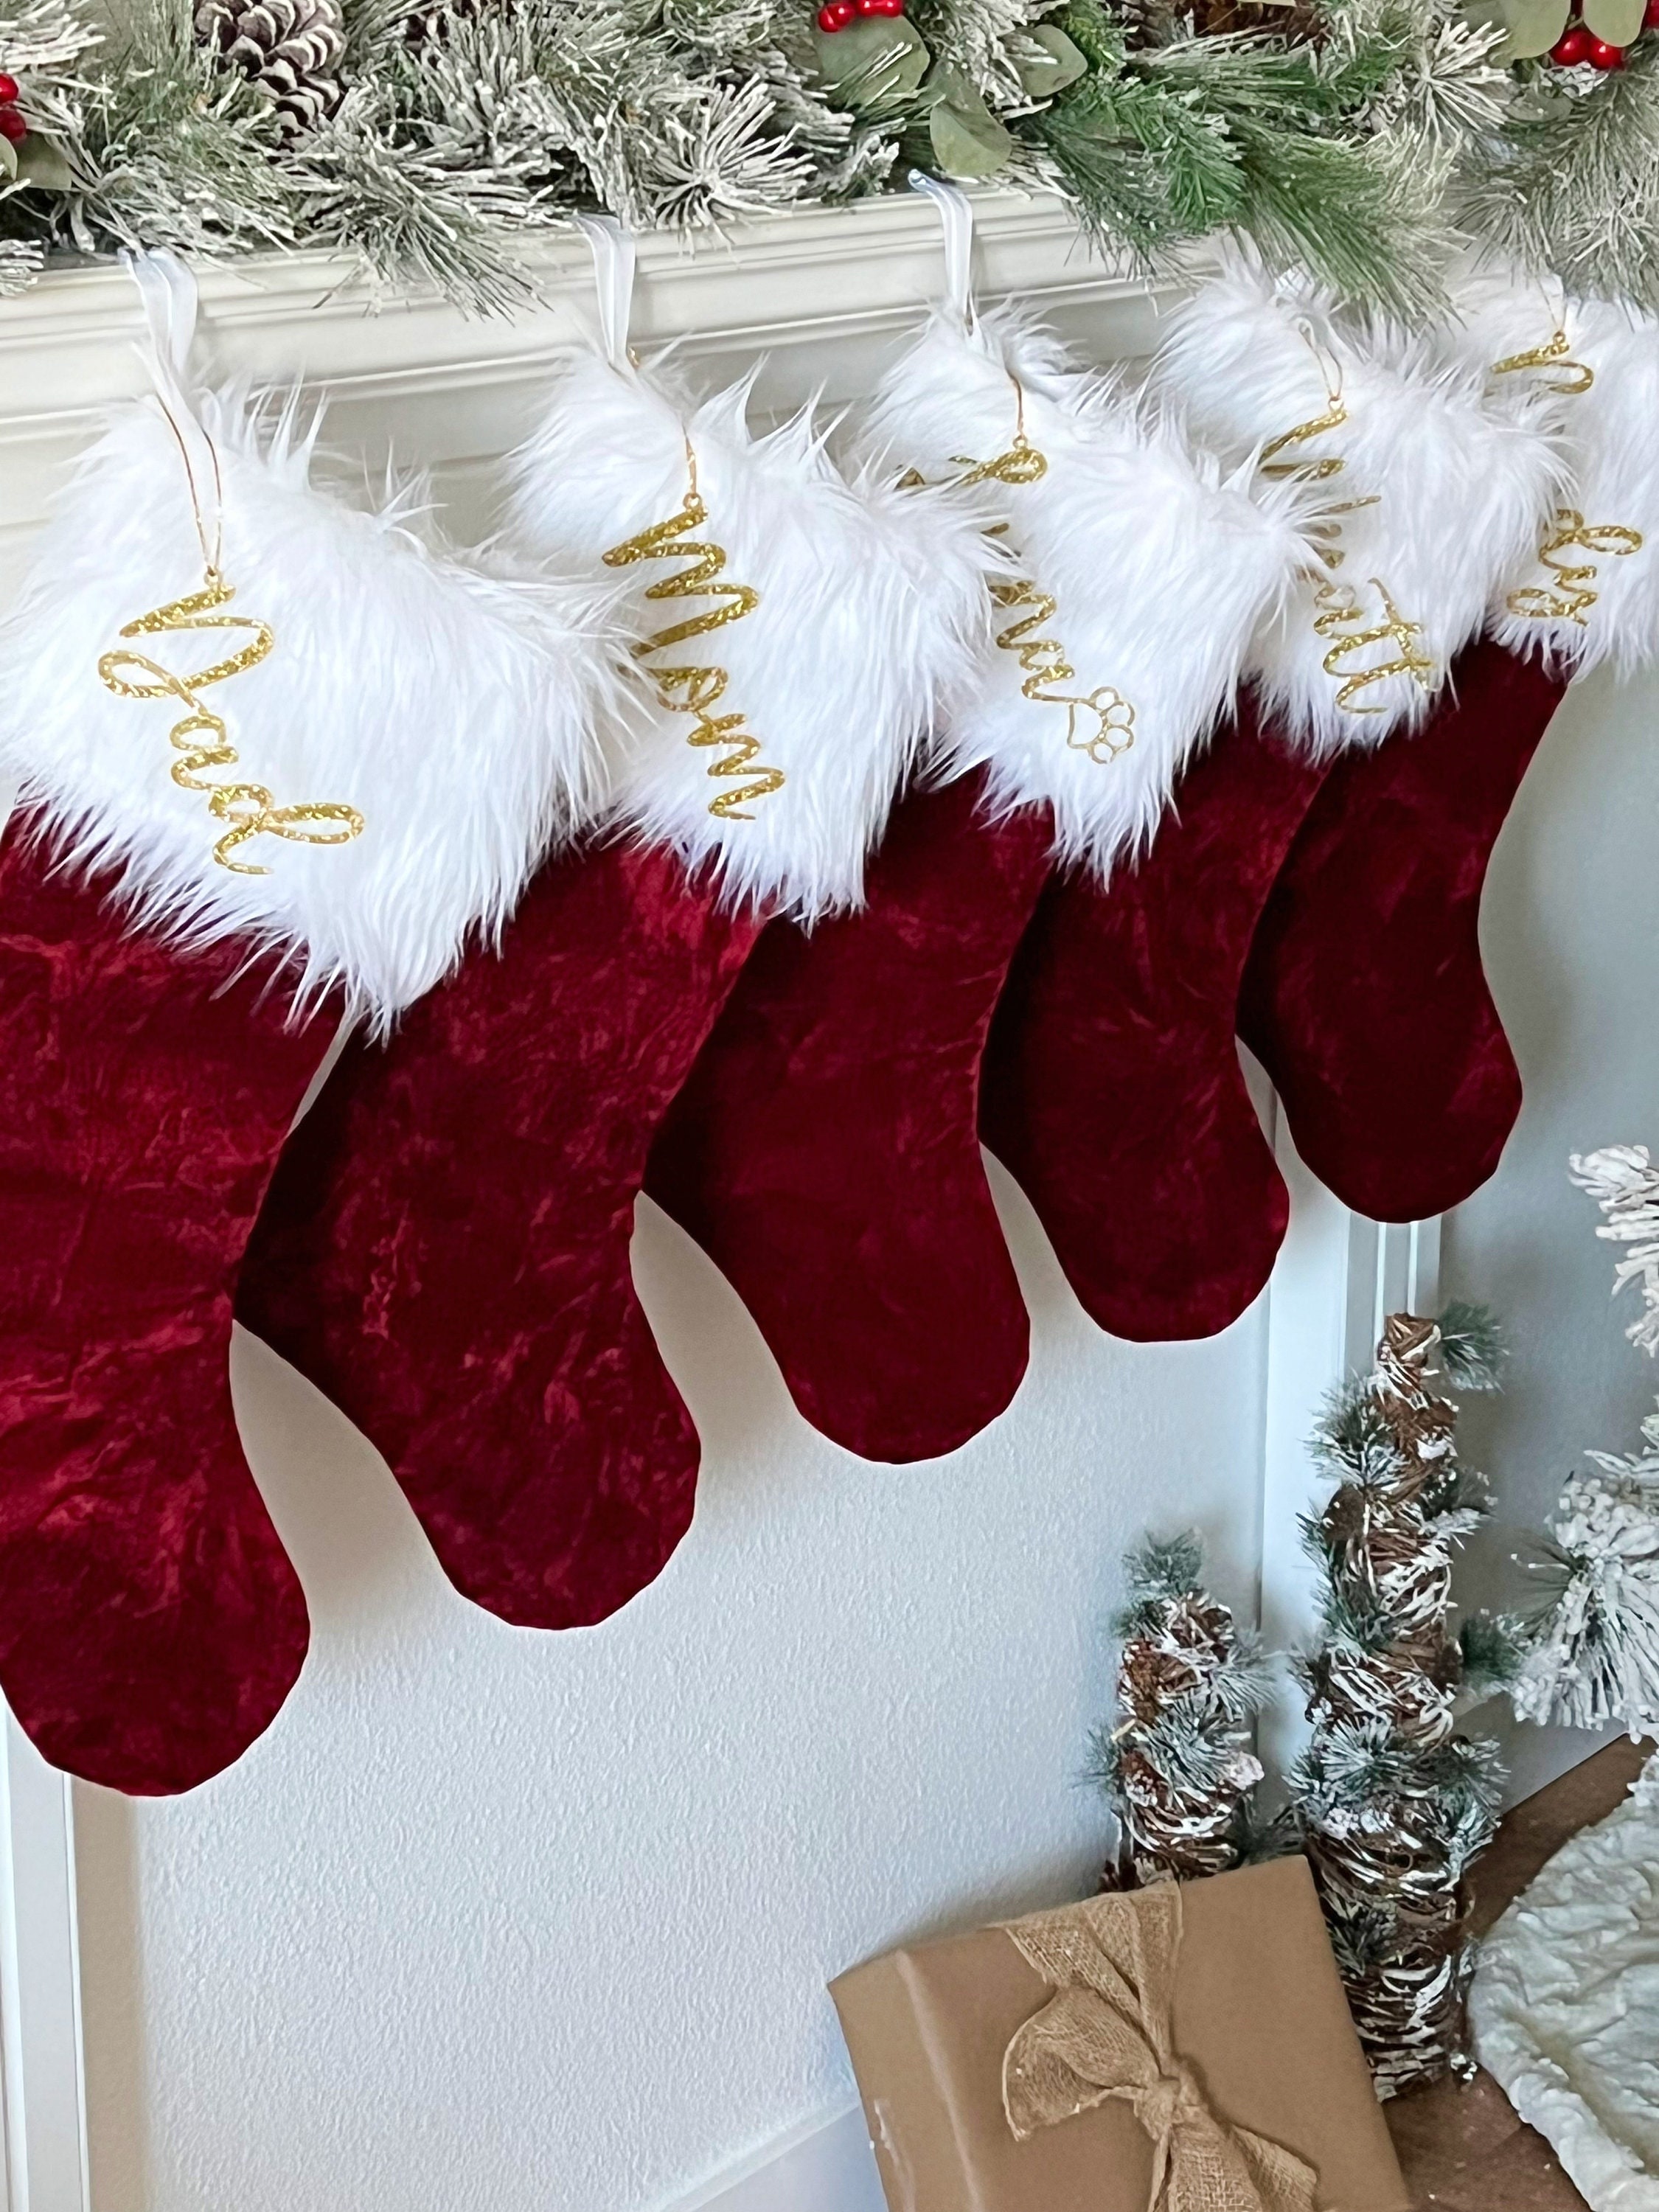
x: 1617, y: 21
x: 1046, y: 61
x: 1485, y: 15
x: 1533, y: 26
x: 968, y: 140
x: 41, y: 164
x: 8, y: 158
x: 873, y: 62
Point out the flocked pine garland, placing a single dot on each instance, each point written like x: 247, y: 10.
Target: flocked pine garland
x: 1361, y: 137
x: 430, y: 135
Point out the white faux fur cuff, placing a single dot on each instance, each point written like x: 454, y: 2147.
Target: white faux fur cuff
x: 404, y: 738
x: 1433, y: 492
x: 1138, y: 571
x: 1586, y: 588
x: 849, y: 616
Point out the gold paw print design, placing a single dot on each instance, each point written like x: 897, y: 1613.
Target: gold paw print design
x: 1101, y: 723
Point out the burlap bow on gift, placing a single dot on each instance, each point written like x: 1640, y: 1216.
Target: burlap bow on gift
x: 1105, y: 2032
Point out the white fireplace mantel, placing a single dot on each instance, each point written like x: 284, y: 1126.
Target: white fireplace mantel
x: 821, y: 297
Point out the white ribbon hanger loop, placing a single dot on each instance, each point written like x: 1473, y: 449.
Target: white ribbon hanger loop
x: 167, y: 293
x: 614, y: 256
x: 955, y: 212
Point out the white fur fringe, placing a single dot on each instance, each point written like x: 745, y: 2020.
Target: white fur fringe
x: 1136, y: 571
x: 1434, y: 491
x: 867, y: 618
x: 1587, y: 589
x: 449, y: 707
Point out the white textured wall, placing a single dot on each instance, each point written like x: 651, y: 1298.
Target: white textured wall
x: 1570, y: 934
x: 538, y: 1924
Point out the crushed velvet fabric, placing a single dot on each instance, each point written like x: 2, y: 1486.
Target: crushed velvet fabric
x: 150, y: 1624
x: 444, y: 1251
x: 1112, y: 1090
x: 823, y: 1152
x: 1364, y: 998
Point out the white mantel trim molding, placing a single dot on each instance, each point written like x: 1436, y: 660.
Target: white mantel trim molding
x: 42, y: 2066
x: 408, y: 375
x: 823, y: 2164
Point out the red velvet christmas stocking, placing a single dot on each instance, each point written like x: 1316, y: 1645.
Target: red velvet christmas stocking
x: 845, y: 609
x: 1112, y: 1089
x: 444, y: 1250
x: 263, y: 723
x: 150, y: 1625
x: 824, y: 1152
x: 1138, y: 576
x: 1364, y: 998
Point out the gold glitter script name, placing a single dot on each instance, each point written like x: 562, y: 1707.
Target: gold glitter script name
x: 1571, y: 377
x: 697, y: 691
x: 1100, y: 723
x: 1571, y: 596
x: 1315, y: 471
x: 1339, y: 608
x: 1021, y: 465
x: 200, y: 737
x: 1341, y: 617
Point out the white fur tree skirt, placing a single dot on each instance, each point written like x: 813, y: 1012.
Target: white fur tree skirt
x: 1564, y: 2006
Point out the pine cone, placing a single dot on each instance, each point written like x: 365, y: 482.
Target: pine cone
x: 1148, y: 1679
x: 428, y: 23
x: 1297, y: 22
x: 290, y: 48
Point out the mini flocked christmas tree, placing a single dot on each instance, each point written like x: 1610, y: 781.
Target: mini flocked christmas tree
x: 1392, y: 1803
x: 1593, y: 1656
x: 1179, y: 1770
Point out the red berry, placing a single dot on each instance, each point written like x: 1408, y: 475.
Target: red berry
x: 881, y: 7
x: 1572, y: 46
x: 9, y: 89
x: 1605, y: 56
x: 12, y: 125
x: 1650, y: 16
x: 837, y: 15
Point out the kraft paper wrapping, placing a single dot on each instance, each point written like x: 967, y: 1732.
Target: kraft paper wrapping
x: 1255, y: 2022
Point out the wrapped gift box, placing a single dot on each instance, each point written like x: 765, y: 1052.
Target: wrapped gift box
x: 1255, y: 2037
